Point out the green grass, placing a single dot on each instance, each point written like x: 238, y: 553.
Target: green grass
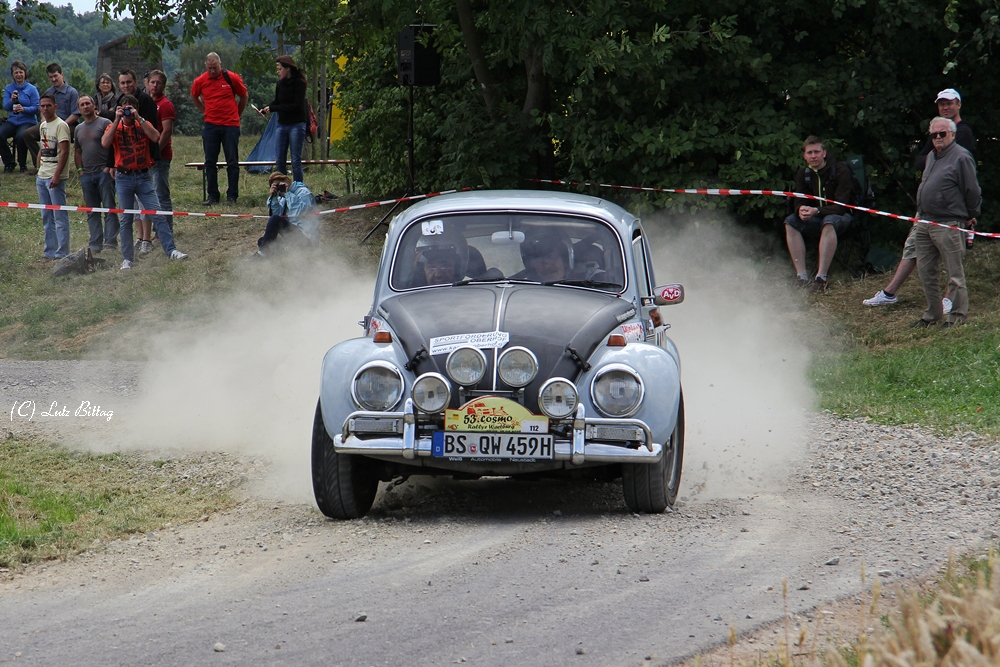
x: 54, y: 502
x: 882, y: 369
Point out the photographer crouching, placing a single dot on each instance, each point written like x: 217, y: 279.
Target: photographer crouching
x: 287, y: 205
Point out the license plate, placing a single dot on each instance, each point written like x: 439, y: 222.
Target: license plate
x: 458, y: 446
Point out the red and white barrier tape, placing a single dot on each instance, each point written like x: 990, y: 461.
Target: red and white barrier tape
x: 133, y: 211
x: 729, y: 192
x: 391, y: 201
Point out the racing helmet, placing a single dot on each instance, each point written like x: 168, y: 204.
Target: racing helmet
x: 542, y: 242
x: 450, y: 244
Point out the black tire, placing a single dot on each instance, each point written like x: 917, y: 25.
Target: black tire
x: 653, y: 488
x: 344, y: 484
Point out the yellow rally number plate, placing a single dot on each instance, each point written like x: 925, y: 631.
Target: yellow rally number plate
x: 493, y: 414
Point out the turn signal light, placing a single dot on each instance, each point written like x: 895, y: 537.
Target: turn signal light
x: 616, y: 340
x: 383, y: 337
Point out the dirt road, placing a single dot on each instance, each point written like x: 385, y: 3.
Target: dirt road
x: 497, y: 572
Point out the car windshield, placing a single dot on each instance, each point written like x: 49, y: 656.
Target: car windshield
x: 493, y: 247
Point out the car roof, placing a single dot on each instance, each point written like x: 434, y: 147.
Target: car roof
x: 566, y: 203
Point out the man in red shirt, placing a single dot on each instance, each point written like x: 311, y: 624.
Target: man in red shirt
x: 165, y: 124
x: 215, y: 93
x: 131, y: 134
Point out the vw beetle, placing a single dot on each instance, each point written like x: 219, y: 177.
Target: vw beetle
x: 512, y: 333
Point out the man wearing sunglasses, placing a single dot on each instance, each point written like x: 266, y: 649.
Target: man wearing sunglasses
x: 949, y: 105
x: 949, y: 193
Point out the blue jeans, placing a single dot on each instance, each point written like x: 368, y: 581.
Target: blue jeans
x: 99, y: 191
x: 214, y: 137
x: 294, y: 134
x: 8, y: 130
x: 55, y: 223
x: 161, y: 182
x: 132, y: 187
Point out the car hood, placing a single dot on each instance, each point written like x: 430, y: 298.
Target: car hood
x: 546, y: 320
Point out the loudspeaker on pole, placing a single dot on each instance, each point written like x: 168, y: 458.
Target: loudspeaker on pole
x: 417, y: 65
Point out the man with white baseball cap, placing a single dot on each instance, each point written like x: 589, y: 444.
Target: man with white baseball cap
x: 949, y: 104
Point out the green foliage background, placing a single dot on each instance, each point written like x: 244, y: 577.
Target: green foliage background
x: 676, y: 94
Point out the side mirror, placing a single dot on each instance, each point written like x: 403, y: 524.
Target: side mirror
x: 668, y: 295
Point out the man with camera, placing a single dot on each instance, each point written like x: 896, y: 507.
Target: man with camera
x: 286, y: 207
x: 131, y: 135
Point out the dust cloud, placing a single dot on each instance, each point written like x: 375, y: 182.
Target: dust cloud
x: 245, y: 379
x: 741, y: 332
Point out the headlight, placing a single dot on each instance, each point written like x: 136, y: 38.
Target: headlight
x: 557, y: 398
x: 431, y: 393
x: 466, y: 366
x: 517, y: 366
x: 378, y: 386
x: 616, y: 391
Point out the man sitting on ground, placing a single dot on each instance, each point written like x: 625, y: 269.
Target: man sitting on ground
x: 831, y: 180
x: 286, y: 206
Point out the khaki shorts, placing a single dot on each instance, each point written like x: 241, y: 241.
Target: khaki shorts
x: 910, y: 245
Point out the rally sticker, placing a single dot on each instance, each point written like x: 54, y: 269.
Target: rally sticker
x: 632, y: 332
x: 487, y: 340
x: 432, y: 227
x: 493, y: 414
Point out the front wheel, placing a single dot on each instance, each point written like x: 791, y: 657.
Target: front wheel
x: 652, y: 488
x: 344, y: 484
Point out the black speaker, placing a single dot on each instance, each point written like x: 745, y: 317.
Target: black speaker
x: 417, y: 65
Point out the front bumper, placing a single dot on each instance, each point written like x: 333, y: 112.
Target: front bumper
x: 594, y: 440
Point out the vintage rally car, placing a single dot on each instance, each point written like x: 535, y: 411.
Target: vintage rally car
x: 513, y: 333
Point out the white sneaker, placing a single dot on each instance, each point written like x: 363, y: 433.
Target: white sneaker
x: 880, y: 299
x: 177, y: 254
x: 126, y: 265
x: 145, y: 248
x: 946, y: 305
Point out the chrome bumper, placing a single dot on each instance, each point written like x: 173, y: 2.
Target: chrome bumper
x: 578, y: 451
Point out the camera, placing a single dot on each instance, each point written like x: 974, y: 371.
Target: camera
x: 282, y: 188
x: 127, y: 111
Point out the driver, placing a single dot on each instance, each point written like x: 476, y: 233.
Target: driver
x: 547, y: 256
x: 441, y: 259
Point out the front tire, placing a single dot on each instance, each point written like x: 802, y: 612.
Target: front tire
x: 652, y: 488
x: 344, y: 484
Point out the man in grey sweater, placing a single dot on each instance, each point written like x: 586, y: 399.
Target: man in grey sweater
x: 948, y: 193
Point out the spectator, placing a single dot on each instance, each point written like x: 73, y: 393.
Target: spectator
x: 98, y: 186
x: 165, y: 124
x: 20, y: 99
x: 949, y: 104
x: 130, y: 135
x: 66, y: 98
x: 106, y: 99
x: 215, y: 93
x: 831, y: 180
x: 949, y: 193
x: 50, y: 180
x: 293, y: 114
x: 286, y: 206
x: 147, y: 109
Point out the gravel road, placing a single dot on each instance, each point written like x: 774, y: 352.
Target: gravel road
x: 492, y: 572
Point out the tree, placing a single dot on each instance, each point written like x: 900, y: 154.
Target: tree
x: 19, y: 20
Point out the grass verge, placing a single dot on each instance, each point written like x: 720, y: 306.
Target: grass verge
x: 54, y: 502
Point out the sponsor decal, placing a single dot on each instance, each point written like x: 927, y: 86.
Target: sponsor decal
x: 487, y: 340
x: 626, y: 315
x: 633, y: 332
x: 432, y: 227
x: 671, y: 293
x: 494, y: 415
x: 376, y: 325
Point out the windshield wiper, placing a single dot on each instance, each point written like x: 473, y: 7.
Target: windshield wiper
x: 479, y: 280
x: 597, y: 284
